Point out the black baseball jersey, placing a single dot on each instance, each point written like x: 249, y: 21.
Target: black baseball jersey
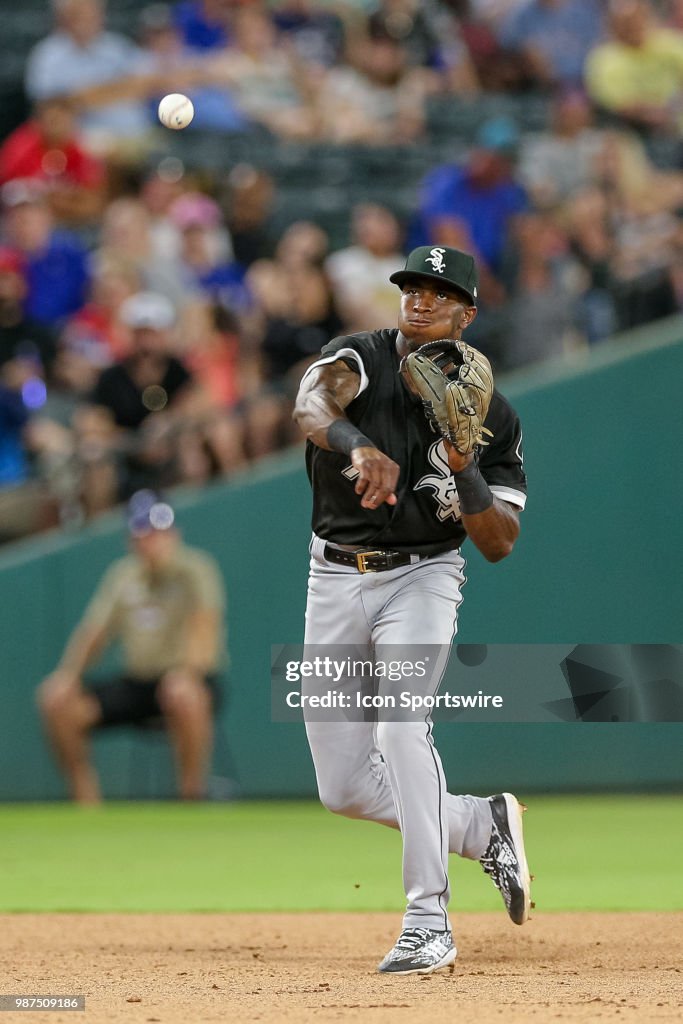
x: 426, y: 518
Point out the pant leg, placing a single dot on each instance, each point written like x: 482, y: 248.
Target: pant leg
x: 349, y: 772
x: 418, y: 615
x: 352, y: 777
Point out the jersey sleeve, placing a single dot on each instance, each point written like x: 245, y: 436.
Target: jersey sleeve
x: 352, y: 349
x: 502, y: 461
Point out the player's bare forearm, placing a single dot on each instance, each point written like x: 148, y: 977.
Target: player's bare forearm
x: 493, y: 531
x: 491, y: 524
x: 323, y: 396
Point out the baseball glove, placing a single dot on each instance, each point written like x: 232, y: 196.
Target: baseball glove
x: 455, y: 384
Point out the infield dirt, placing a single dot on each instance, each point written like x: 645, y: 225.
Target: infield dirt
x: 298, y: 968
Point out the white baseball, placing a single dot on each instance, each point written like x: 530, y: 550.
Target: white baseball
x: 176, y: 111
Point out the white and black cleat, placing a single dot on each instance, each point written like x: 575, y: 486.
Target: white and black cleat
x: 419, y: 951
x: 505, y: 859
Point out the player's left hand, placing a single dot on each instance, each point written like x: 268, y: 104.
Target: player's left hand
x: 455, y: 383
x: 456, y: 460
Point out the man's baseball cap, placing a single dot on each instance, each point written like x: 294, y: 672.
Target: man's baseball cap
x: 146, y: 511
x: 439, y: 263
x: 147, y: 309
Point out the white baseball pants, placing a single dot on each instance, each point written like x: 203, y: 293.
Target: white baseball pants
x: 390, y: 772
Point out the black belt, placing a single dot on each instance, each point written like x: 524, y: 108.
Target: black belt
x: 369, y: 561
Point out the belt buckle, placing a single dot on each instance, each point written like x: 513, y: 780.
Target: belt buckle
x: 361, y: 560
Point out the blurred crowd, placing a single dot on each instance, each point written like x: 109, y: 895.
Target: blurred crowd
x: 154, y: 326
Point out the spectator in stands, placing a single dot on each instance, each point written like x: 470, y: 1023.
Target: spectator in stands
x: 540, y: 314
x: 47, y: 147
x: 160, y: 187
x: 360, y: 274
x: 646, y: 250
x: 638, y: 73
x: 145, y: 396
x: 102, y: 71
x: 27, y: 351
x: 165, y: 603
x: 637, y: 186
x: 96, y: 332
x: 377, y: 98
x: 303, y: 243
x: 299, y: 315
x: 13, y: 418
x: 127, y: 234
x: 297, y: 302
x: 249, y: 199
x: 215, y: 108
x: 270, y: 84
x: 205, y: 259
x: 317, y: 35
x: 166, y: 428
x: 26, y: 345
x: 301, y: 246
x: 592, y: 242
x: 205, y: 24
x: 632, y: 220
x: 307, y: 322
x: 554, y: 164
x: 430, y: 37
x: 553, y: 37
x: 212, y: 352
x: 674, y: 15
x: 55, y: 261
x: 496, y: 68
x: 472, y: 206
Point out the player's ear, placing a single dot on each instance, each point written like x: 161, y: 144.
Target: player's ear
x: 468, y: 315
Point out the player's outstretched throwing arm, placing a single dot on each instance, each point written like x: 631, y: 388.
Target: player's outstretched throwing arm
x: 324, y: 394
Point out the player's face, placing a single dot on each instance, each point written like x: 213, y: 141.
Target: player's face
x: 430, y: 312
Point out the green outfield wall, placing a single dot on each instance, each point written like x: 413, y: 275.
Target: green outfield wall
x: 598, y: 561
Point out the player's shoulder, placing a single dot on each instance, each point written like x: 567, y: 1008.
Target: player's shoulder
x: 371, y: 340
x: 372, y: 346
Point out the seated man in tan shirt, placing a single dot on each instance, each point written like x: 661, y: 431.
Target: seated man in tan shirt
x: 165, y: 602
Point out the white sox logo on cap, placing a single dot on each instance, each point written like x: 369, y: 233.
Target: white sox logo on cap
x: 436, y: 259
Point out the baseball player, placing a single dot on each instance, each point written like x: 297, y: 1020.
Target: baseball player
x: 395, y: 494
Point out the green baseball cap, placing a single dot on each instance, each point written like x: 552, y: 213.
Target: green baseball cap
x: 438, y: 262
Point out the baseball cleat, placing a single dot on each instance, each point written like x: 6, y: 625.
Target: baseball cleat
x: 419, y: 951
x: 505, y: 860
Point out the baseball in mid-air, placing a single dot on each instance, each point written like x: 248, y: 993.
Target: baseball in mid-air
x: 176, y: 111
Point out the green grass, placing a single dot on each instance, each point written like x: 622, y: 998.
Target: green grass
x: 588, y: 853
